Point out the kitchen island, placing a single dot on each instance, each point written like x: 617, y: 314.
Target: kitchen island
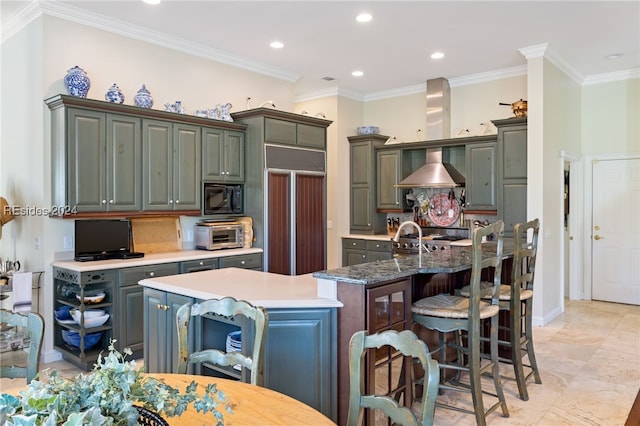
x: 377, y: 296
x: 301, y: 345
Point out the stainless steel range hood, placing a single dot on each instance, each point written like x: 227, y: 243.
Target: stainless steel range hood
x: 435, y: 173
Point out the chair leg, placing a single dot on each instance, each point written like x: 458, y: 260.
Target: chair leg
x: 515, y: 335
x: 473, y: 342
x: 529, y: 336
x: 495, y: 368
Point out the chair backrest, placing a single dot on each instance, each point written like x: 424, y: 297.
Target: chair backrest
x: 409, y: 345
x: 485, y: 256
x: 524, y: 257
x: 34, y: 324
x: 226, y: 307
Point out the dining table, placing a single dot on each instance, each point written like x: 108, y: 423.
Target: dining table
x: 251, y: 404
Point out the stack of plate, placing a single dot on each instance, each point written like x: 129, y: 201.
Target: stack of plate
x: 234, y: 344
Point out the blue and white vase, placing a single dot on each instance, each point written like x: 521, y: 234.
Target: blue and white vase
x: 77, y: 82
x: 143, y: 98
x: 114, y: 94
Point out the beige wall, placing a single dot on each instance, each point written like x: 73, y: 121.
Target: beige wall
x: 611, y: 122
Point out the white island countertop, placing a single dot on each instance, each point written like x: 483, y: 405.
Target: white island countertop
x: 259, y: 288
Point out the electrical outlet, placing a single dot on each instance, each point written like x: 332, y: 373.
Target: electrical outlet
x: 68, y: 242
x: 36, y: 243
x: 329, y: 224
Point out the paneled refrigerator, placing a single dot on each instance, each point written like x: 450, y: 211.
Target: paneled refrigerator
x: 295, y: 213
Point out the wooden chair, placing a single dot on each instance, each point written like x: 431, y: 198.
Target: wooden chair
x: 517, y: 298
x: 409, y: 345
x: 227, y: 307
x: 463, y: 316
x: 34, y: 323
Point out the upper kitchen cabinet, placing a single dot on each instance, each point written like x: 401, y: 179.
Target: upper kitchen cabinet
x: 512, y: 172
x: 365, y: 218
x: 222, y: 155
x: 96, y: 157
x: 109, y: 157
x: 291, y: 133
x: 388, y: 174
x: 171, y: 165
x: 481, y: 175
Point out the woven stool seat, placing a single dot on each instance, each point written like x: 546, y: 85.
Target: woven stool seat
x: 446, y: 306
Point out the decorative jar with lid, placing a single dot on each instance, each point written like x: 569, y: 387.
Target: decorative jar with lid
x: 77, y: 82
x: 114, y: 94
x: 143, y: 98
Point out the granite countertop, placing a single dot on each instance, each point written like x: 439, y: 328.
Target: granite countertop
x: 444, y: 261
x: 259, y: 288
x: 151, y: 259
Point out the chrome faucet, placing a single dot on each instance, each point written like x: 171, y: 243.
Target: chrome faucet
x: 411, y: 223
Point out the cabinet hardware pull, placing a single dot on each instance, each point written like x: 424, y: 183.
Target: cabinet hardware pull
x: 201, y: 263
x: 104, y: 201
x: 598, y: 237
x: 242, y: 262
x: 166, y: 307
x: 110, y: 201
x: 177, y: 201
x: 151, y: 274
x: 159, y: 306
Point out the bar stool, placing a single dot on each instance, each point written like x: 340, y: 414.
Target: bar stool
x: 517, y: 298
x: 457, y: 314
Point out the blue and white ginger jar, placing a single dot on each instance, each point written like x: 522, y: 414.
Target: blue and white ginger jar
x: 77, y: 82
x: 143, y: 98
x: 114, y: 94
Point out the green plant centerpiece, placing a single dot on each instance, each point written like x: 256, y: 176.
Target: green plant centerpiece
x: 109, y: 395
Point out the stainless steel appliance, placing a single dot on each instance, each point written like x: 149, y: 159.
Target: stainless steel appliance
x: 221, y: 199
x: 216, y: 236
x: 433, y: 239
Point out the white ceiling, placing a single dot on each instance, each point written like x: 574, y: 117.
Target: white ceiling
x: 323, y: 39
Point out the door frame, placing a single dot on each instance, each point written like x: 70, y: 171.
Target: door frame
x: 588, y: 198
x: 577, y: 217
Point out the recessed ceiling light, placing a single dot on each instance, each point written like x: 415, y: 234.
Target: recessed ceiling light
x: 276, y: 45
x: 357, y: 73
x: 364, y: 17
x: 613, y: 56
x: 152, y: 1
x: 437, y: 55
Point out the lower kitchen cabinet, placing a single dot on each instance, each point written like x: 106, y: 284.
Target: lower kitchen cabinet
x: 198, y: 265
x: 130, y: 333
x: 356, y: 251
x: 246, y: 261
x: 160, y: 331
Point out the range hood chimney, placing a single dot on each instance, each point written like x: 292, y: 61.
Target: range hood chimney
x: 435, y: 173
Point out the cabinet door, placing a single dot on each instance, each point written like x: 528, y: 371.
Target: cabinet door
x: 124, y: 150
x: 481, y: 179
x: 186, y: 167
x: 352, y: 257
x: 514, y: 205
x: 311, y: 136
x: 280, y: 131
x: 514, y: 152
x: 131, y: 318
x: 234, y: 156
x: 155, y: 327
x: 157, y: 166
x: 247, y: 261
x: 86, y: 161
x: 198, y: 265
x: 212, y: 159
x: 361, y: 208
x: 389, y: 167
x: 174, y: 302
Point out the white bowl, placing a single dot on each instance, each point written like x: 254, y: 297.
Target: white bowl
x: 88, y: 313
x: 90, y: 321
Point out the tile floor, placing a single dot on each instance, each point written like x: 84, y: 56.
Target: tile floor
x: 589, y: 360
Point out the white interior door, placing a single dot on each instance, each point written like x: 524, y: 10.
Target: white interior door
x: 615, y: 231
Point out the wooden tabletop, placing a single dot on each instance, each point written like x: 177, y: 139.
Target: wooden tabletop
x: 251, y: 405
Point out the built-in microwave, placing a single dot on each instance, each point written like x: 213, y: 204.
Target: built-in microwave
x: 221, y: 199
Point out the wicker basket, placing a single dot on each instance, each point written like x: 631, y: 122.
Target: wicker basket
x: 150, y: 418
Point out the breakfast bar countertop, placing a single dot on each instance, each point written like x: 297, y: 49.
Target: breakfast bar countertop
x: 453, y: 260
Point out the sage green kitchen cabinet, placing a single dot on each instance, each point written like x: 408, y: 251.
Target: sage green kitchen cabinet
x: 198, y: 265
x: 160, y: 331
x: 512, y: 172
x: 103, y: 153
x: 245, y: 261
x: 222, y: 155
x: 359, y: 250
x: 364, y: 218
x: 481, y: 176
x: 291, y: 133
x: 388, y: 174
x: 171, y: 165
x: 130, y: 306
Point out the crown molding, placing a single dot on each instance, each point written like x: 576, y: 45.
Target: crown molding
x: 546, y: 52
x: 612, y: 76
x: 327, y: 93
x: 23, y: 18
x: 488, y: 76
x: 394, y: 93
